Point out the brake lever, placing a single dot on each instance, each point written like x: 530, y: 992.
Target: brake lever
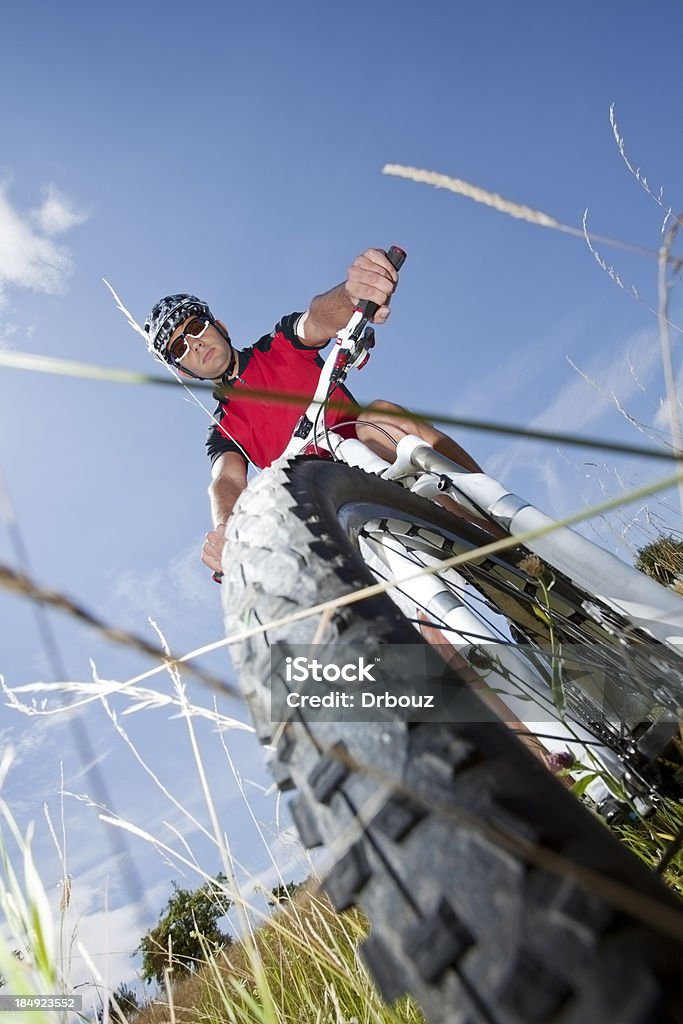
x: 365, y: 344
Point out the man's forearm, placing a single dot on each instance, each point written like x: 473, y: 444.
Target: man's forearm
x: 328, y: 313
x: 223, y: 494
x: 370, y: 276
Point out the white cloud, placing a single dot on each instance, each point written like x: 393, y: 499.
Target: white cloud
x: 29, y: 258
x: 617, y: 376
x: 606, y: 383
x: 27, y: 735
x: 287, y: 859
x: 10, y: 333
x: 158, y: 592
x: 662, y: 418
x: 109, y: 938
x: 179, y: 597
x: 57, y: 213
x: 105, y: 935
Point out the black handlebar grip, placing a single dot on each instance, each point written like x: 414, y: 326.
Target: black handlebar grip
x: 397, y: 258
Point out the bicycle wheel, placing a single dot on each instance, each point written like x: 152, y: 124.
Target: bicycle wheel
x: 493, y: 894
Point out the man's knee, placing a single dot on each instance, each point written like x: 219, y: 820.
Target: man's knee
x: 381, y: 405
x: 388, y: 413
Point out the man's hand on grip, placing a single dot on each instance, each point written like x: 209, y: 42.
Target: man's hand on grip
x: 212, y: 551
x: 371, y: 276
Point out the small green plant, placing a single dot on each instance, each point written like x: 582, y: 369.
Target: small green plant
x: 28, y: 961
x: 122, y: 1004
x: 662, y: 559
x: 283, y: 893
x: 652, y: 839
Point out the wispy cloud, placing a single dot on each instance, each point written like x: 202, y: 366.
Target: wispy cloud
x: 110, y: 936
x: 108, y: 930
x: 29, y: 255
x: 27, y: 735
x: 606, y: 383
x: 169, y: 594
x: 613, y: 392
x: 614, y: 377
x: 57, y: 214
x: 663, y: 416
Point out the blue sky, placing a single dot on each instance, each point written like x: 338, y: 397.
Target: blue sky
x: 236, y: 151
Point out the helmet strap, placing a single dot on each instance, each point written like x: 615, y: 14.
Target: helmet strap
x: 225, y: 377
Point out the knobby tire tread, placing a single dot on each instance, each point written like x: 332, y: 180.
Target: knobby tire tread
x: 471, y: 926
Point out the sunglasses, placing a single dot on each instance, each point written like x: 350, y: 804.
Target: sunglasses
x: 181, y: 345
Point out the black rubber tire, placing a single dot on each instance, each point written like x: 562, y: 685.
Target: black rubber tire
x: 455, y: 863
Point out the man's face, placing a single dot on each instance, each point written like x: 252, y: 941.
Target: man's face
x: 209, y: 355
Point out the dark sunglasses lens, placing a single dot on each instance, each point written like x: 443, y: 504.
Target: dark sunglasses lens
x: 179, y: 347
x: 195, y: 327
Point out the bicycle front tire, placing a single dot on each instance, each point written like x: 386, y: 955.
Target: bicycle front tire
x: 476, y: 868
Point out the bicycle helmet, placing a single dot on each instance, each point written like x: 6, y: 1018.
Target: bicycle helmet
x: 166, y: 315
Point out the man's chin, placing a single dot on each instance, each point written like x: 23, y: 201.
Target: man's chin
x: 216, y: 375
x: 212, y: 375
x: 219, y: 376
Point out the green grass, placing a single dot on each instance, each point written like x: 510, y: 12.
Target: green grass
x: 309, y: 966
x: 303, y: 966
x: 650, y: 838
x: 310, y: 973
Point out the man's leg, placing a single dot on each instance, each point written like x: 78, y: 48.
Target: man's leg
x: 400, y: 424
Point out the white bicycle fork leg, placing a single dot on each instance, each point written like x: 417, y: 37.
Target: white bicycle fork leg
x: 446, y: 606
x: 644, y: 602
x: 354, y: 453
x: 509, y: 669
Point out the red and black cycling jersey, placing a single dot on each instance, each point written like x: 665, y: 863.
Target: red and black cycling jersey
x: 260, y: 429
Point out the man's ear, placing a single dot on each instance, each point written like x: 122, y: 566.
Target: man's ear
x: 225, y: 329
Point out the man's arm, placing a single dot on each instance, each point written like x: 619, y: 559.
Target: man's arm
x: 370, y: 276
x: 229, y: 478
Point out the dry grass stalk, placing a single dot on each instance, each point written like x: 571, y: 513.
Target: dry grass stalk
x: 640, y: 178
x: 311, y: 967
x: 665, y: 284
x: 502, y: 205
x: 662, y: 254
x: 20, y: 583
x: 478, y: 195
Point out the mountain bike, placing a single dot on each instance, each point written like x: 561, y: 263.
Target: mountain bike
x: 493, y: 893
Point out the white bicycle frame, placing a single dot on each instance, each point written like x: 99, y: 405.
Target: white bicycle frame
x: 643, y: 602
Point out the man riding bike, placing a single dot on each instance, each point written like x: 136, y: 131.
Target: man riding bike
x: 183, y: 332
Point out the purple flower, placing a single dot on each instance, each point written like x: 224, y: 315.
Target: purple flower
x: 558, y: 761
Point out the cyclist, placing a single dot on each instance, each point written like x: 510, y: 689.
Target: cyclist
x: 183, y: 332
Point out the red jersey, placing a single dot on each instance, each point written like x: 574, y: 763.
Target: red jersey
x: 260, y: 429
